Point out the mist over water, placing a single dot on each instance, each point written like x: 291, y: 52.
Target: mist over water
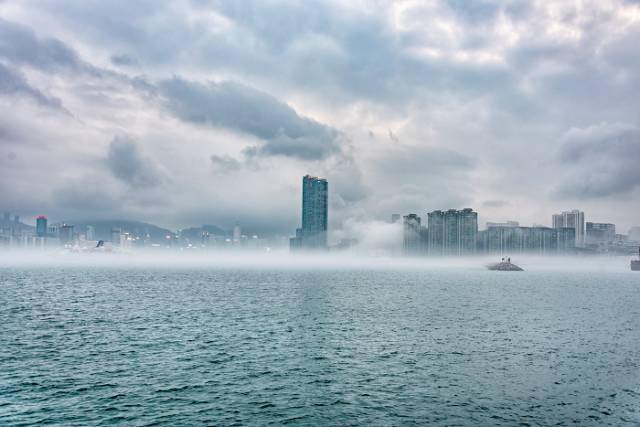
x: 358, y: 258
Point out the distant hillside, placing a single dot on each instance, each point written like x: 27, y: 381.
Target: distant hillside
x: 103, y: 229
x: 194, y: 234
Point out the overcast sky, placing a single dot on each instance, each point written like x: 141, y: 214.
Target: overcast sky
x: 187, y: 112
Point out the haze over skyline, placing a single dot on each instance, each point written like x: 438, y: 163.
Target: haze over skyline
x: 207, y: 112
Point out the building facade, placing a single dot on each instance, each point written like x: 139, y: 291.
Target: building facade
x: 452, y: 232
x: 412, y: 235
x: 571, y: 219
x: 598, y: 232
x: 41, y: 226
x: 313, y: 233
x: 507, y: 239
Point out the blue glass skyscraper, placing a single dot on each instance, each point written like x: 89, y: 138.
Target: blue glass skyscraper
x: 314, y: 212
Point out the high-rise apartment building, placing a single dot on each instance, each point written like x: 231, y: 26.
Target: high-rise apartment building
x: 598, y: 232
x: 435, y: 224
x: 508, y: 239
x: 66, y: 234
x: 453, y: 232
x: 571, y: 219
x: 237, y: 234
x: 411, y: 236
x: 90, y: 233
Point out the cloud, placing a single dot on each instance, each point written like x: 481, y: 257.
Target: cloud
x: 123, y: 60
x: 225, y: 163
x: 13, y: 83
x: 600, y: 161
x: 404, y: 106
x: 20, y: 45
x: 235, y: 106
x: 495, y: 203
x: 126, y: 162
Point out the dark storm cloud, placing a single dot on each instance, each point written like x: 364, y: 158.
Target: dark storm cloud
x: 242, y: 108
x: 20, y: 45
x: 127, y: 164
x: 600, y: 161
x: 13, y: 83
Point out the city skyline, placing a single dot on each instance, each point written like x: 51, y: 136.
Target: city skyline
x: 555, y: 221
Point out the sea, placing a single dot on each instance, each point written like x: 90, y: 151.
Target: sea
x: 376, y: 342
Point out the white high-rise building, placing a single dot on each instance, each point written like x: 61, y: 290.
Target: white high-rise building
x: 236, y: 234
x: 571, y: 219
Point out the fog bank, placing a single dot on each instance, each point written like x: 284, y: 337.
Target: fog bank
x: 308, y: 261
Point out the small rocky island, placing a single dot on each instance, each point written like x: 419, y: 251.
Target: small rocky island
x: 504, y: 265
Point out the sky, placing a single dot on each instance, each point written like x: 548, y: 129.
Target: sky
x: 190, y: 112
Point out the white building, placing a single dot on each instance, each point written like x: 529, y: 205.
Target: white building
x: 571, y: 219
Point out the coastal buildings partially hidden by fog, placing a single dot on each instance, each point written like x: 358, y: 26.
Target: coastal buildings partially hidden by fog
x: 125, y: 235
x: 451, y: 232
x: 455, y: 233
x: 514, y: 239
x: 571, y: 219
x: 313, y: 233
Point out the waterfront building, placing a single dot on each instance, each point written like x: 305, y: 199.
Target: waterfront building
x: 115, y: 236
x: 295, y: 243
x: 503, y: 224
x: 435, y: 224
x: 411, y: 234
x: 573, y: 219
x: 90, y: 233
x: 467, y: 231
x: 313, y: 233
x: 598, y: 232
x: 41, y: 226
x: 506, y: 239
x: 453, y: 232
x: 395, y: 218
x: 66, y: 235
x: 557, y: 221
x: 237, y: 234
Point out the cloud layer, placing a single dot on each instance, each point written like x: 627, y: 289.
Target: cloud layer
x: 190, y: 112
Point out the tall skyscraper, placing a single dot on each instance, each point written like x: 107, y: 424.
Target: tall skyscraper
x: 571, y: 219
x: 313, y: 234
x: 41, y: 226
